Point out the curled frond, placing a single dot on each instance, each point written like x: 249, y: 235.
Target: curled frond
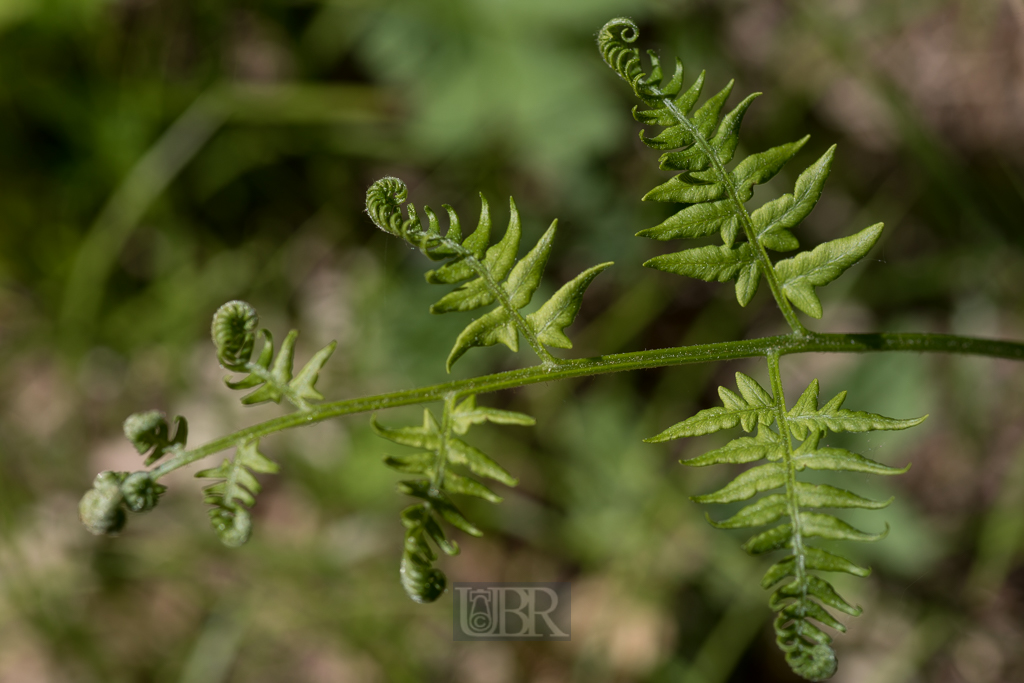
x: 701, y: 145
x: 490, y: 274
x: 149, y: 431
x: 103, y: 509
x: 440, y: 456
x: 790, y: 506
x: 614, y: 41
x: 270, y: 375
x: 235, y: 492
x: 234, y: 332
x: 384, y: 202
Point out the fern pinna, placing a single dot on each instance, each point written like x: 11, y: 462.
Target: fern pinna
x: 441, y: 450
x: 799, y: 598
x: 701, y: 145
x: 493, y: 274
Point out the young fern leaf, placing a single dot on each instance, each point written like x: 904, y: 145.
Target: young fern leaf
x: 441, y: 451
x: 489, y: 274
x: 103, y: 509
x: 701, y: 145
x: 802, y: 597
x: 234, y: 334
x: 236, y: 492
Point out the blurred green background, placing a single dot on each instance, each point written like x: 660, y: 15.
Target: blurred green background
x: 158, y: 158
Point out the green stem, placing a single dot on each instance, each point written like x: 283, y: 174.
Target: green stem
x: 741, y: 212
x: 440, y: 464
x: 792, y: 505
x: 619, y: 362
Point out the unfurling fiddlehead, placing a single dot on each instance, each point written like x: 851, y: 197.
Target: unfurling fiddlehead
x: 236, y: 492
x: 103, y: 509
x: 700, y: 147
x: 801, y: 597
x: 493, y: 274
x: 234, y: 333
x: 441, y: 451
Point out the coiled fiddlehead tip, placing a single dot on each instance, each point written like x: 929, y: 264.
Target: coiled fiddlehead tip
x: 233, y: 525
x: 613, y: 41
x: 146, y: 430
x: 383, y: 203
x: 234, y: 332
x: 422, y: 583
x: 101, y: 509
x: 815, y: 662
x: 140, y: 492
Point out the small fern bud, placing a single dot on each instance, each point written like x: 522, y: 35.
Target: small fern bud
x: 383, y: 203
x: 234, y: 332
x: 140, y: 492
x: 146, y: 430
x: 233, y: 525
x: 101, y: 509
x: 422, y: 582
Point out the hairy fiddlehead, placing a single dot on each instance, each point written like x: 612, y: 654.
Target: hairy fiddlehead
x: 493, y: 273
x: 442, y: 451
x: 700, y: 146
x: 103, y: 509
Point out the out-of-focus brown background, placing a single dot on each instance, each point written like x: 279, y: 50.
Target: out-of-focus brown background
x: 159, y: 157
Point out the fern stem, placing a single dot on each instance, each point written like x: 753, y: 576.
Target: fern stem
x: 637, y: 360
x: 740, y: 210
x: 792, y: 505
x: 437, y: 476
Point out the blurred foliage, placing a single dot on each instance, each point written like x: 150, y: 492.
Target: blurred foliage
x: 158, y: 158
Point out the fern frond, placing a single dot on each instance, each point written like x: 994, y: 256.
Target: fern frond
x: 802, y: 599
x: 701, y: 145
x: 489, y: 274
x: 234, y: 334
x: 441, y: 451
x: 236, y: 492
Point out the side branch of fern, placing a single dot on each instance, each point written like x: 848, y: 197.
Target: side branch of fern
x: 499, y: 276
x: 620, y: 362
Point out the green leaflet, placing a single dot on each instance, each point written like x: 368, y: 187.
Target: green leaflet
x: 467, y: 414
x: 805, y: 416
x: 492, y: 275
x: 805, y: 271
x: 791, y: 505
x: 272, y: 375
x: 236, y: 492
x: 441, y: 451
x: 753, y: 406
x: 774, y: 219
x: 711, y: 263
x: 560, y: 310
